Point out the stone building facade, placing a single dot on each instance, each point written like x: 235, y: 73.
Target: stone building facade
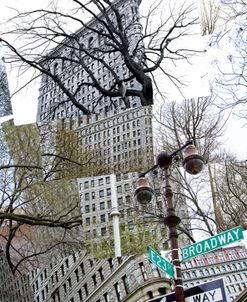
x: 13, y: 289
x: 96, y: 208
x: 122, y: 138
x: 80, y: 277
x: 74, y: 75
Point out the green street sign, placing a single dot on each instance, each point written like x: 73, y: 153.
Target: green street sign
x: 212, y: 243
x: 162, y: 263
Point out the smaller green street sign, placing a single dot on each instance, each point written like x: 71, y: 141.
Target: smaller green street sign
x: 162, y: 263
x: 212, y: 243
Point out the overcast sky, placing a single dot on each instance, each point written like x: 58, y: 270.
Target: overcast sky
x: 25, y: 103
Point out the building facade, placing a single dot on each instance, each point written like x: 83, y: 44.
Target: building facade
x: 97, y: 206
x: 74, y: 74
x: 13, y: 289
x: 229, y: 263
x: 80, y: 277
x: 122, y: 139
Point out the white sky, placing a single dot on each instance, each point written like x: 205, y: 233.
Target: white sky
x: 25, y: 103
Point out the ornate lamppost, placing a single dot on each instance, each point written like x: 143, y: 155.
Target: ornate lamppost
x: 193, y: 164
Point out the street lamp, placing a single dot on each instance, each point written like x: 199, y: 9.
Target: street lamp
x: 193, y: 164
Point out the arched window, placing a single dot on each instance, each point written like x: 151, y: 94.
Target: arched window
x: 162, y: 290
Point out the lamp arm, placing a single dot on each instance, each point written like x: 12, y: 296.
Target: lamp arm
x: 189, y: 142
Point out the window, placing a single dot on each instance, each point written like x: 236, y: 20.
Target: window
x: 67, y: 263
x: 101, y: 274
x: 221, y: 257
x: 108, y: 191
x: 119, y: 189
x: 162, y: 290
x: 94, y: 280
x: 199, y: 262
x: 85, y: 289
x: 93, y: 207
x: 126, y: 187
x: 100, y: 182
x: 120, y: 201
x: 65, y: 289
x: 102, y: 218
x: 150, y: 294
x: 143, y: 271
x: 69, y: 282
x: 231, y: 255
x: 127, y: 199
x: 155, y: 271
x: 242, y: 254
x: 193, y: 274
x: 130, y: 225
x: 103, y: 231
x: 62, y: 270
x: 108, y: 204
x: 102, y: 205
x: 210, y: 259
x: 88, y: 221
x: 77, y: 275
x: 52, y: 279
x: 107, y: 180
x: 101, y: 193
x: 106, y: 297
x: 118, y: 292
x: 187, y: 275
x: 80, y: 295
x: 228, y: 278
x: 86, y: 196
x: 110, y: 261
x: 82, y: 268
x: 217, y: 269
x: 126, y: 284
x: 56, y: 276
x: 87, y: 209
